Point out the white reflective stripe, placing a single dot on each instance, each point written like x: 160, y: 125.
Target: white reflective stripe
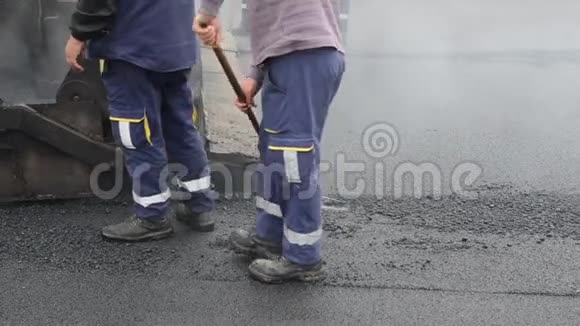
x: 197, y: 184
x: 268, y: 207
x: 152, y: 200
x: 291, y: 166
x: 343, y: 16
x: 300, y: 239
x: 244, y: 6
x: 125, y: 133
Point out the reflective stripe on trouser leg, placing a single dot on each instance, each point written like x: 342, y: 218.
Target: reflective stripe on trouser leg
x: 196, y: 185
x: 183, y: 141
x: 302, y: 224
x: 199, y: 191
x: 150, y: 193
x: 294, y: 162
x: 125, y: 134
x: 291, y: 166
x: 133, y: 100
x: 145, y: 164
x: 299, y: 110
x: 269, y: 221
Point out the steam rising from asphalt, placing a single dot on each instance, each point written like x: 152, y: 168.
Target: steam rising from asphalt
x: 32, y: 38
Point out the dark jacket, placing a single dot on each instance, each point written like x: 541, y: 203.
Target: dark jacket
x: 92, y: 19
x: 152, y: 34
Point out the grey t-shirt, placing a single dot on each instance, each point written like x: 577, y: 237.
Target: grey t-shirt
x: 279, y: 27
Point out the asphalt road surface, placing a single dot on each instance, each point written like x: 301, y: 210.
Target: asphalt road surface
x: 488, y: 83
x: 506, y: 260
x: 492, y: 83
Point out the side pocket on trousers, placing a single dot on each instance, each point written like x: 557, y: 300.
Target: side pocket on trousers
x: 296, y: 156
x: 131, y: 133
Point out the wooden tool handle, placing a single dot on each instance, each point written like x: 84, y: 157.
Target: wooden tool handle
x: 223, y: 60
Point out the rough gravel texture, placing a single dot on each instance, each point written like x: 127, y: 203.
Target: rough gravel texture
x: 505, y: 244
x: 65, y: 235
x: 501, y: 211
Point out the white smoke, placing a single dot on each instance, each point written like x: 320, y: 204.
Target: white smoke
x: 32, y: 39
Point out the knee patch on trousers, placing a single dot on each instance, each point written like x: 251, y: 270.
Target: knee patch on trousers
x: 295, y: 157
x: 131, y: 133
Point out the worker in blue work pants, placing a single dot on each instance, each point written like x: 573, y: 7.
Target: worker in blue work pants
x: 298, y: 65
x: 146, y: 75
x: 297, y: 91
x: 296, y: 96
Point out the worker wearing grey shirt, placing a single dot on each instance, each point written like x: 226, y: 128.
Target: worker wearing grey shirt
x: 299, y: 63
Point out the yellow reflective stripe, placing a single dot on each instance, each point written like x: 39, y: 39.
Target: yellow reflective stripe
x: 102, y: 66
x: 126, y: 120
x: 194, y: 115
x: 293, y: 149
x: 270, y: 131
x: 125, y: 131
x: 147, y: 130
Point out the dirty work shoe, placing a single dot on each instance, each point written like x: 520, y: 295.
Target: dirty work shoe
x: 202, y: 222
x: 246, y: 243
x: 281, y: 270
x: 136, y: 229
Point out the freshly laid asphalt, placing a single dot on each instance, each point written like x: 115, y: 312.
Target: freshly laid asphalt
x: 456, y: 90
x: 509, y: 258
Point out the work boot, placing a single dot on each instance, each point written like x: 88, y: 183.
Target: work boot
x: 136, y: 229
x: 201, y: 222
x: 281, y: 270
x: 244, y: 242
